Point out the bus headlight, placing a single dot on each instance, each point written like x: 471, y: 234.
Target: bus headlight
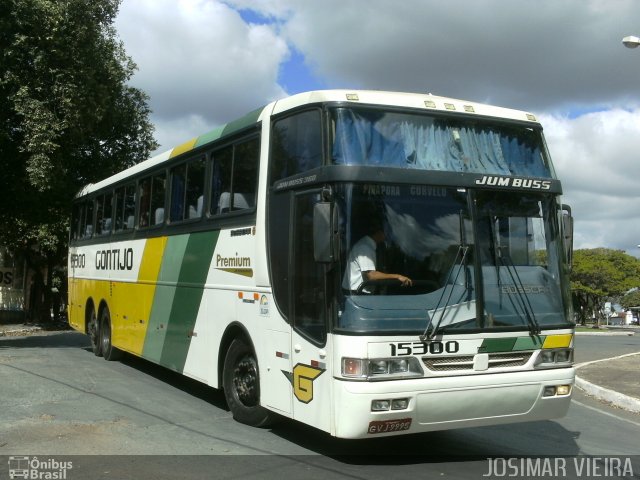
x: 381, y: 368
x: 554, y: 357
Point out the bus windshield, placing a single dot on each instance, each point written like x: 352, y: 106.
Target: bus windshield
x: 473, y: 259
x: 366, y: 136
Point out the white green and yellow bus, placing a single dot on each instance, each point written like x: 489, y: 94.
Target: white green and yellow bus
x: 225, y: 258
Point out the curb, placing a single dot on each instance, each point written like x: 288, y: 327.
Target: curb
x: 626, y: 402
x: 609, y: 334
x: 19, y: 331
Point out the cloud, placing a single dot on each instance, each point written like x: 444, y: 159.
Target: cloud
x: 199, y: 59
x: 541, y: 55
x: 597, y: 157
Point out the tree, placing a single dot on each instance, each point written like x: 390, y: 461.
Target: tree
x: 631, y: 299
x: 599, y: 274
x: 67, y: 118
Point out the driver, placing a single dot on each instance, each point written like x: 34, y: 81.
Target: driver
x: 361, y: 264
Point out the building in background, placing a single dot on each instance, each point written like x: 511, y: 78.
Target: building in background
x: 12, y: 286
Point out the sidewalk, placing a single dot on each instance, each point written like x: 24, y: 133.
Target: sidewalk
x: 615, y: 380
x: 22, y: 329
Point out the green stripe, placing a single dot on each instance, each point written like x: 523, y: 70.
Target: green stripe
x: 529, y: 343
x: 243, y: 122
x: 492, y: 345
x: 513, y: 344
x: 187, y: 299
x: 209, y: 137
x: 164, y: 295
x: 246, y: 121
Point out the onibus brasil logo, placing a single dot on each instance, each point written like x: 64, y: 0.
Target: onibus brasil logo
x: 34, y: 468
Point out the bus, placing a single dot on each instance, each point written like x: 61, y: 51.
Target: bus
x: 231, y: 259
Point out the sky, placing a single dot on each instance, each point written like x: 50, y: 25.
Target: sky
x: 206, y: 62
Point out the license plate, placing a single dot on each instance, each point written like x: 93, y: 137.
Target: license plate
x: 388, y: 426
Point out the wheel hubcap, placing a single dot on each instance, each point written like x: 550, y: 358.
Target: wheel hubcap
x: 105, y: 337
x: 245, y: 381
x: 93, y: 330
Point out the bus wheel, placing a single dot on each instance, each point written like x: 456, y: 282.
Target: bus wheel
x: 109, y: 352
x: 241, y: 383
x: 94, y: 333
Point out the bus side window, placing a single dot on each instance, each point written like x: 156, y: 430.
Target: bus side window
x: 86, y: 225
x: 129, y: 207
x: 195, y: 188
x: 178, y: 181
x: 296, y: 145
x: 187, y: 190
x: 246, y: 157
x: 124, y: 208
x: 144, y: 197
x: 99, y: 214
x: 221, y: 181
x: 75, y: 221
x: 157, y: 198
x: 118, y: 222
x: 104, y: 208
x: 107, y: 216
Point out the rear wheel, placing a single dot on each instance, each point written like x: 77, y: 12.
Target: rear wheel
x: 109, y: 352
x: 93, y: 330
x: 241, y: 382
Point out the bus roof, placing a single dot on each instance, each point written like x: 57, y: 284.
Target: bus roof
x: 423, y: 101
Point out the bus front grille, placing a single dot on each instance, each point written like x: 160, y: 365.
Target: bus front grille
x: 466, y: 362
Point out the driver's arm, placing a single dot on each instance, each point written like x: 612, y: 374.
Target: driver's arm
x: 376, y: 275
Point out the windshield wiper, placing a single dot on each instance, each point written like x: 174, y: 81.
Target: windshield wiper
x: 463, y: 249
x: 503, y: 258
x: 525, y: 304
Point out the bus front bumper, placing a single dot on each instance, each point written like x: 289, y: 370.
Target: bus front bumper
x: 450, y: 402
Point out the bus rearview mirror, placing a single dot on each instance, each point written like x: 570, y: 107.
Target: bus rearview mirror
x: 324, y: 244
x: 567, y: 233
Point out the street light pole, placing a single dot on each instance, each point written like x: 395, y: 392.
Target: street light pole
x: 631, y: 41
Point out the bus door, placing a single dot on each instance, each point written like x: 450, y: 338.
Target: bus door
x: 310, y: 347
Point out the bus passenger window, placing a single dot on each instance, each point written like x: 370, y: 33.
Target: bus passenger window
x: 221, y: 181
x: 125, y: 208
x: 195, y: 188
x: 75, y: 221
x: 118, y: 224
x: 86, y: 228
x: 245, y: 174
x: 187, y: 190
x: 107, y: 215
x: 178, y: 180
x: 297, y: 144
x: 157, y: 198
x: 144, y: 196
x: 129, y: 207
x: 99, y: 214
x: 103, y: 214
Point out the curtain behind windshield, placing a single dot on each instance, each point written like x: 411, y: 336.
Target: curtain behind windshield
x: 371, y: 137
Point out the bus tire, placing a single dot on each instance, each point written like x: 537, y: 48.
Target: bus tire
x: 241, y: 383
x: 109, y: 352
x: 93, y: 330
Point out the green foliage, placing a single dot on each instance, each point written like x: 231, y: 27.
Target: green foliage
x: 600, y: 274
x: 67, y: 115
x: 631, y: 299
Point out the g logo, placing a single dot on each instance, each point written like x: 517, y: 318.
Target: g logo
x: 302, y: 381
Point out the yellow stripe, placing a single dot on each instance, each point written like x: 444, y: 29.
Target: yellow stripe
x: 185, y: 147
x: 152, y: 259
x: 558, y: 341
x: 133, y: 301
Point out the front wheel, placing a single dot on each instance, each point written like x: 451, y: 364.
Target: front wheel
x: 241, y: 383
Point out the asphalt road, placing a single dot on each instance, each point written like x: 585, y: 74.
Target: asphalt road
x: 132, y: 419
